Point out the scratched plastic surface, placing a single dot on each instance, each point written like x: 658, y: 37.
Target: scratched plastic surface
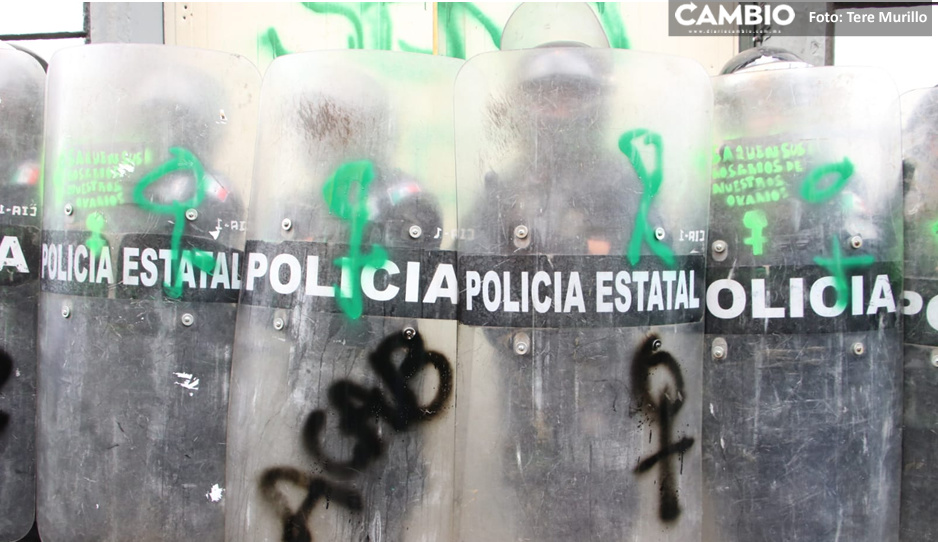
x: 920, y: 378
x: 148, y: 159
x: 341, y: 424
x: 579, y: 419
x: 21, y: 94
x: 802, y: 372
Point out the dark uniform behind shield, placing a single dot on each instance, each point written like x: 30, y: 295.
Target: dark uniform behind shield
x: 582, y: 197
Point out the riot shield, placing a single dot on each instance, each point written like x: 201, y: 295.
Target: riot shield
x: 801, y: 373
x: 341, y: 419
x: 148, y: 160
x: 920, y: 319
x: 21, y: 92
x: 582, y: 201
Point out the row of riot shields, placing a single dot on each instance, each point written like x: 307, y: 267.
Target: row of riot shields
x: 331, y: 306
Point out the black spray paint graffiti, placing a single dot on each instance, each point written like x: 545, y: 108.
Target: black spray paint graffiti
x: 360, y: 409
x: 6, y: 369
x: 664, y: 408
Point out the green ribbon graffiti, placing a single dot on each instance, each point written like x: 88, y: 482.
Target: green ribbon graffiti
x: 182, y: 160
x: 838, y: 267
x: 95, y: 224
x: 346, y: 193
x: 652, y: 183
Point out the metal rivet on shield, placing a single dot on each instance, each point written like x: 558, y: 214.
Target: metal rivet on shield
x: 286, y: 224
x: 856, y: 241
x: 68, y: 209
x: 409, y: 333
x: 522, y: 343
x: 66, y: 311
x: 934, y: 358
x: 858, y: 348
x: 718, y: 348
x: 521, y: 232
x: 191, y: 214
x: 415, y: 231
x: 187, y: 319
x: 279, y: 324
x: 659, y: 233
x: 719, y: 246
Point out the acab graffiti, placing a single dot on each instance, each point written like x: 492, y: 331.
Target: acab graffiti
x: 359, y: 410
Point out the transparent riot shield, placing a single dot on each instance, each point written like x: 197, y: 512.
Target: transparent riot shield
x: 582, y: 200
x: 920, y: 316
x: 21, y: 92
x: 341, y: 419
x: 148, y: 160
x: 802, y: 373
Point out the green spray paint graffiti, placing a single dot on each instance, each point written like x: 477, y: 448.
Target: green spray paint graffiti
x: 95, y: 224
x: 812, y: 191
x: 652, y: 183
x: 346, y: 193
x: 756, y: 221
x: 182, y: 160
x: 451, y: 26
x: 372, y: 27
x: 839, y: 266
x: 612, y: 23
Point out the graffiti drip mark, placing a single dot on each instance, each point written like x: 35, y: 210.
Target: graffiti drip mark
x: 652, y: 183
x: 813, y: 193
x: 839, y: 266
x: 664, y: 408
x: 359, y: 408
x: 295, y: 527
x: 182, y: 160
x: 95, y: 224
x: 346, y: 193
x: 6, y: 369
x: 756, y: 221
